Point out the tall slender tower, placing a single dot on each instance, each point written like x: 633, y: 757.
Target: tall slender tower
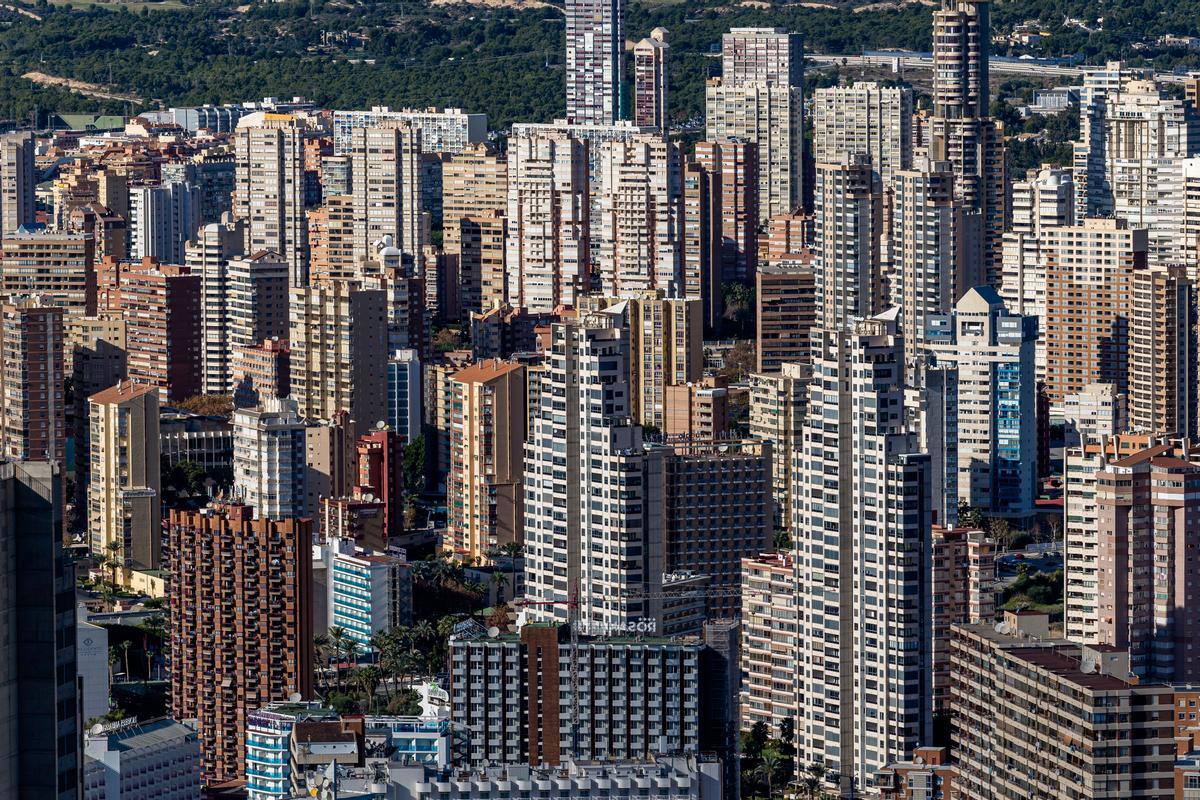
x: 650, y: 80
x: 862, y: 527
x: 962, y: 131
x: 595, y: 46
x: 269, y: 191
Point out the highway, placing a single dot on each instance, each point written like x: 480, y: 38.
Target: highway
x: 1009, y: 66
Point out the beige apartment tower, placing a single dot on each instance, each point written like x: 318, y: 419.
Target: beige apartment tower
x: 124, y: 497
x: 1162, y: 352
x: 650, y: 81
x: 487, y: 441
x: 269, y: 193
x: 338, y: 336
x: 386, y: 160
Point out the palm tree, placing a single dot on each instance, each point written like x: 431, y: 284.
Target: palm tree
x: 768, y: 768
x: 815, y: 778
x: 366, y: 680
x: 114, y: 560
x: 114, y: 657
x: 498, y: 580
x: 337, y: 641
x: 125, y: 651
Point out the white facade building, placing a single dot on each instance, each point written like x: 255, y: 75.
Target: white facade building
x: 129, y: 760
x: 269, y: 459
x: 443, y: 130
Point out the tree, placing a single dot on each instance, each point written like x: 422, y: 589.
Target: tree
x: 414, y: 465
x: 768, y: 768
x: 754, y: 740
x: 114, y: 657
x: 124, y: 645
x: 739, y: 361
x: 366, y: 680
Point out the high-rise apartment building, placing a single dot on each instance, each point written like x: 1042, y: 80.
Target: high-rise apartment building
x: 339, y: 352
x: 1088, y: 275
x: 862, y: 517
x: 56, y: 266
x: 269, y: 463
x: 443, y: 130
x: 762, y: 55
x: 1095, y: 411
x: 664, y: 347
x: 785, y: 301
x: 32, y: 394
x: 368, y: 592
x: 865, y: 117
x: 770, y: 116
x: 487, y: 452
x: 39, y: 718
x: 240, y: 627
x: 961, y: 130
x: 404, y: 393
x: 387, y: 191
x: 17, y: 180
x: 332, y: 228
x: 848, y: 205
x: 582, y: 441
x: 270, y: 188
x: 1090, y: 158
x: 474, y: 201
x: 639, y: 195
x: 595, y: 66
x: 1045, y: 200
x: 380, y: 459
x: 256, y: 304
x: 261, y: 371
x: 1002, y: 678
x: 935, y: 251
x: 1146, y: 505
x: 162, y: 219
x: 717, y: 508
x: 964, y: 577
x: 650, y: 81
x: 1162, y: 352
x: 769, y: 646
x: 697, y: 410
x: 208, y: 255
x: 732, y: 166
x: 124, y: 492
x: 161, y: 306
x: 778, y: 410
x: 701, y: 240
x: 994, y: 431
x: 548, y: 250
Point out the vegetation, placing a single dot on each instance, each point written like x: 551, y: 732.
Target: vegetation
x: 188, y: 484
x: 400, y: 657
x: 1041, y: 591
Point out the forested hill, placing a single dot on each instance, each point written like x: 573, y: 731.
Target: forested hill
x: 502, y: 60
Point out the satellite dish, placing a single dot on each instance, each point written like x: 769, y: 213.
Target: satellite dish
x: 96, y: 729
x: 493, y: 632
x: 380, y: 425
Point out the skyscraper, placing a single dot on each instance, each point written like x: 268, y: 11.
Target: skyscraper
x: 995, y: 420
x: 778, y: 410
x: 32, y: 398
x: 339, y: 352
x: 240, y: 626
x: 732, y: 166
x: 936, y: 253
x: 595, y: 60
x: 161, y: 219
x: 862, y: 531
x: 758, y: 98
x: 208, y: 256
x: 848, y: 205
x: 161, y: 306
x: 17, y: 180
x: 785, y: 302
x: 547, y: 255
x: 701, y: 240
x: 962, y: 132
x: 269, y: 459
x: 124, y: 493
x: 487, y: 451
x: 640, y: 217
x: 39, y: 724
x: 1162, y: 352
x: 650, y: 80
x: 582, y: 441
x: 865, y: 117
x: 387, y: 191
x: 270, y: 188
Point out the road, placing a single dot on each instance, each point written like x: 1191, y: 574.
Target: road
x: 996, y: 65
